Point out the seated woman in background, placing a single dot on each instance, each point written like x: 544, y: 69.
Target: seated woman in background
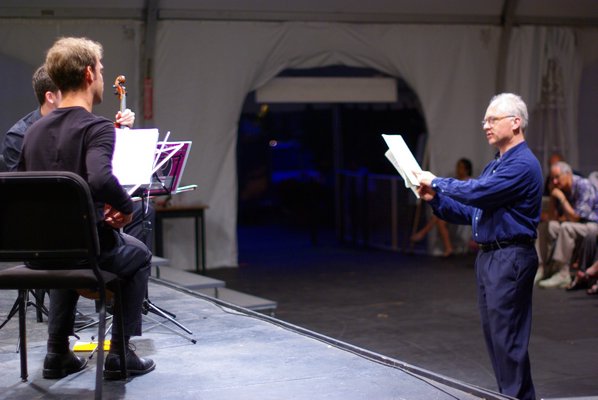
x: 463, y: 171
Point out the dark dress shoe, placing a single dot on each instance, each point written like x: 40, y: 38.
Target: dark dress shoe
x: 59, y: 365
x: 135, y: 365
x: 577, y: 284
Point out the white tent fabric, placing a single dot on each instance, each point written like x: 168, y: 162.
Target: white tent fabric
x: 203, y: 71
x: 25, y: 43
x: 546, y: 60
x: 451, y: 68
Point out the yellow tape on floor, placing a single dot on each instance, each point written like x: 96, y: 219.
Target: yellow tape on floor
x: 90, y: 346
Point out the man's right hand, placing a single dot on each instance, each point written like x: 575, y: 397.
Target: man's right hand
x: 115, y: 218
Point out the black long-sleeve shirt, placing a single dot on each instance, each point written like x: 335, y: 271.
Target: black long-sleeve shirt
x: 73, y: 139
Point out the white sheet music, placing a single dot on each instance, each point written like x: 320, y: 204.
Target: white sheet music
x: 133, y: 158
x: 401, y: 157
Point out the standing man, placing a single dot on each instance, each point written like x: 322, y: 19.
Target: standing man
x: 71, y: 138
x: 503, y: 207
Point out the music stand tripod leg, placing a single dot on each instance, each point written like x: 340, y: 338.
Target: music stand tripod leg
x: 148, y: 306
x: 163, y: 324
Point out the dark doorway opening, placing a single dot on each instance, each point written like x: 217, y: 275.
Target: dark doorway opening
x: 286, y: 152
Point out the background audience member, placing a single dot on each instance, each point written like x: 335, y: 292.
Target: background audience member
x: 578, y: 199
x: 463, y: 171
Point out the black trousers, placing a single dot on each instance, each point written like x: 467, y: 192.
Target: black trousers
x: 128, y: 258
x: 505, y: 279
x: 142, y: 225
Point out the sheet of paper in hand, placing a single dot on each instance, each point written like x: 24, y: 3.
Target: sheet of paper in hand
x: 401, y: 157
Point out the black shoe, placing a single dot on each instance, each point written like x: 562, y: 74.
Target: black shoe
x: 577, y: 284
x: 135, y: 365
x: 59, y: 365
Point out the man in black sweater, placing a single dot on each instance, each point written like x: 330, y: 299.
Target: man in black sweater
x: 71, y: 138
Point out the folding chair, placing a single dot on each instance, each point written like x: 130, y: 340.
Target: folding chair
x: 48, y: 221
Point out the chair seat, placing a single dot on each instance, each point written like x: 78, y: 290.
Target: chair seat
x: 23, y: 277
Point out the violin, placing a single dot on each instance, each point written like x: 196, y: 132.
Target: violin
x: 121, y: 92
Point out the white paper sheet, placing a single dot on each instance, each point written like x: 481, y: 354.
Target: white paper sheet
x: 402, y: 159
x: 133, y: 157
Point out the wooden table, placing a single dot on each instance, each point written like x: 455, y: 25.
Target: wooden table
x: 195, y: 212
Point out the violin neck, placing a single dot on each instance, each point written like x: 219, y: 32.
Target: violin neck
x: 123, y: 103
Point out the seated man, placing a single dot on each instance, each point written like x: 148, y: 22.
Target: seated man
x: 49, y: 97
x: 578, y: 201
x: 71, y: 138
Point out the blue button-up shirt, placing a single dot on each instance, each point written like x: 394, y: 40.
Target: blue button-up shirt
x: 13, y: 140
x: 503, y: 203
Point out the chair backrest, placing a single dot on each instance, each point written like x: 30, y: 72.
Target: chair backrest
x: 46, y: 217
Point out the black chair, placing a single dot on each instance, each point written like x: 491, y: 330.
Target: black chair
x: 47, y: 220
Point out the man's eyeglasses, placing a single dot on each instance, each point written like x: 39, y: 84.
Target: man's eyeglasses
x: 493, y: 120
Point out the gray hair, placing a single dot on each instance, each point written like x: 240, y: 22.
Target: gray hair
x: 564, y: 168
x: 511, y: 104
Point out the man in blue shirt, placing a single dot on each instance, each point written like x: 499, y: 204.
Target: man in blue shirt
x: 503, y: 207
x: 48, y: 97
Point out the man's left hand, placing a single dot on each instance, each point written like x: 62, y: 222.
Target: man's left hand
x: 125, y: 118
x: 426, y: 193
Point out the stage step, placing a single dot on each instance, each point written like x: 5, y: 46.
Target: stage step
x: 186, y: 279
x: 242, y: 299
x: 209, y: 286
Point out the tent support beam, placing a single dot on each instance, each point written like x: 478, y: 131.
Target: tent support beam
x: 147, y: 63
x: 508, y: 14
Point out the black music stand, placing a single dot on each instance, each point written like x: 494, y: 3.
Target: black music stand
x: 168, y: 168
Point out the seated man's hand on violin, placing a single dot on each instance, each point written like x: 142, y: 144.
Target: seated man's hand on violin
x: 125, y: 118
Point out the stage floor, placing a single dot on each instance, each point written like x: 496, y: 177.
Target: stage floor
x: 239, y: 354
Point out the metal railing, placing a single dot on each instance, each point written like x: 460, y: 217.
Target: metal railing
x: 374, y: 210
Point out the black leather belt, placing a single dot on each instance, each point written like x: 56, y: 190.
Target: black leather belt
x: 499, y: 244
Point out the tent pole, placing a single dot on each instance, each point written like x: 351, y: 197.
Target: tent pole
x: 507, y: 18
x: 147, y: 57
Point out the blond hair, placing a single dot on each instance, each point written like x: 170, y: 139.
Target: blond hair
x: 68, y: 58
